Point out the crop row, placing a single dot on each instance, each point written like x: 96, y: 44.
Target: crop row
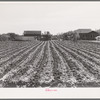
x: 50, y: 64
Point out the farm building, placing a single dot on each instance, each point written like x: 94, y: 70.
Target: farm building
x: 88, y: 36
x: 35, y: 34
x: 81, y: 34
x: 82, y: 31
x: 55, y: 37
x: 24, y: 38
x: 45, y: 37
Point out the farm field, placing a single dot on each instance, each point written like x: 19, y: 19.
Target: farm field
x: 49, y: 64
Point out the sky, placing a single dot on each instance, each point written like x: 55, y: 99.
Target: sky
x: 55, y: 17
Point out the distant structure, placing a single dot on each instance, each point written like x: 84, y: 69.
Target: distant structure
x: 32, y: 34
x: 88, y: 36
x: 55, y: 37
x: 80, y: 34
x: 36, y: 35
x: 82, y: 31
x: 46, y: 36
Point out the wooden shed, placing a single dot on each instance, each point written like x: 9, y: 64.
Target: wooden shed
x: 35, y: 34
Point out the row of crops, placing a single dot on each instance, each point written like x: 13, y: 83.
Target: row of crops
x: 49, y: 64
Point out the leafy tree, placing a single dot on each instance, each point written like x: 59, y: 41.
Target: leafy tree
x: 71, y: 35
x: 12, y: 36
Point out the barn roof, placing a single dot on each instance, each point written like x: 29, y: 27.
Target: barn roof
x: 89, y: 32
x: 83, y: 30
x: 32, y: 32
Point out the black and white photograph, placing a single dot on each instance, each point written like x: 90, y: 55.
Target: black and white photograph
x: 50, y: 44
